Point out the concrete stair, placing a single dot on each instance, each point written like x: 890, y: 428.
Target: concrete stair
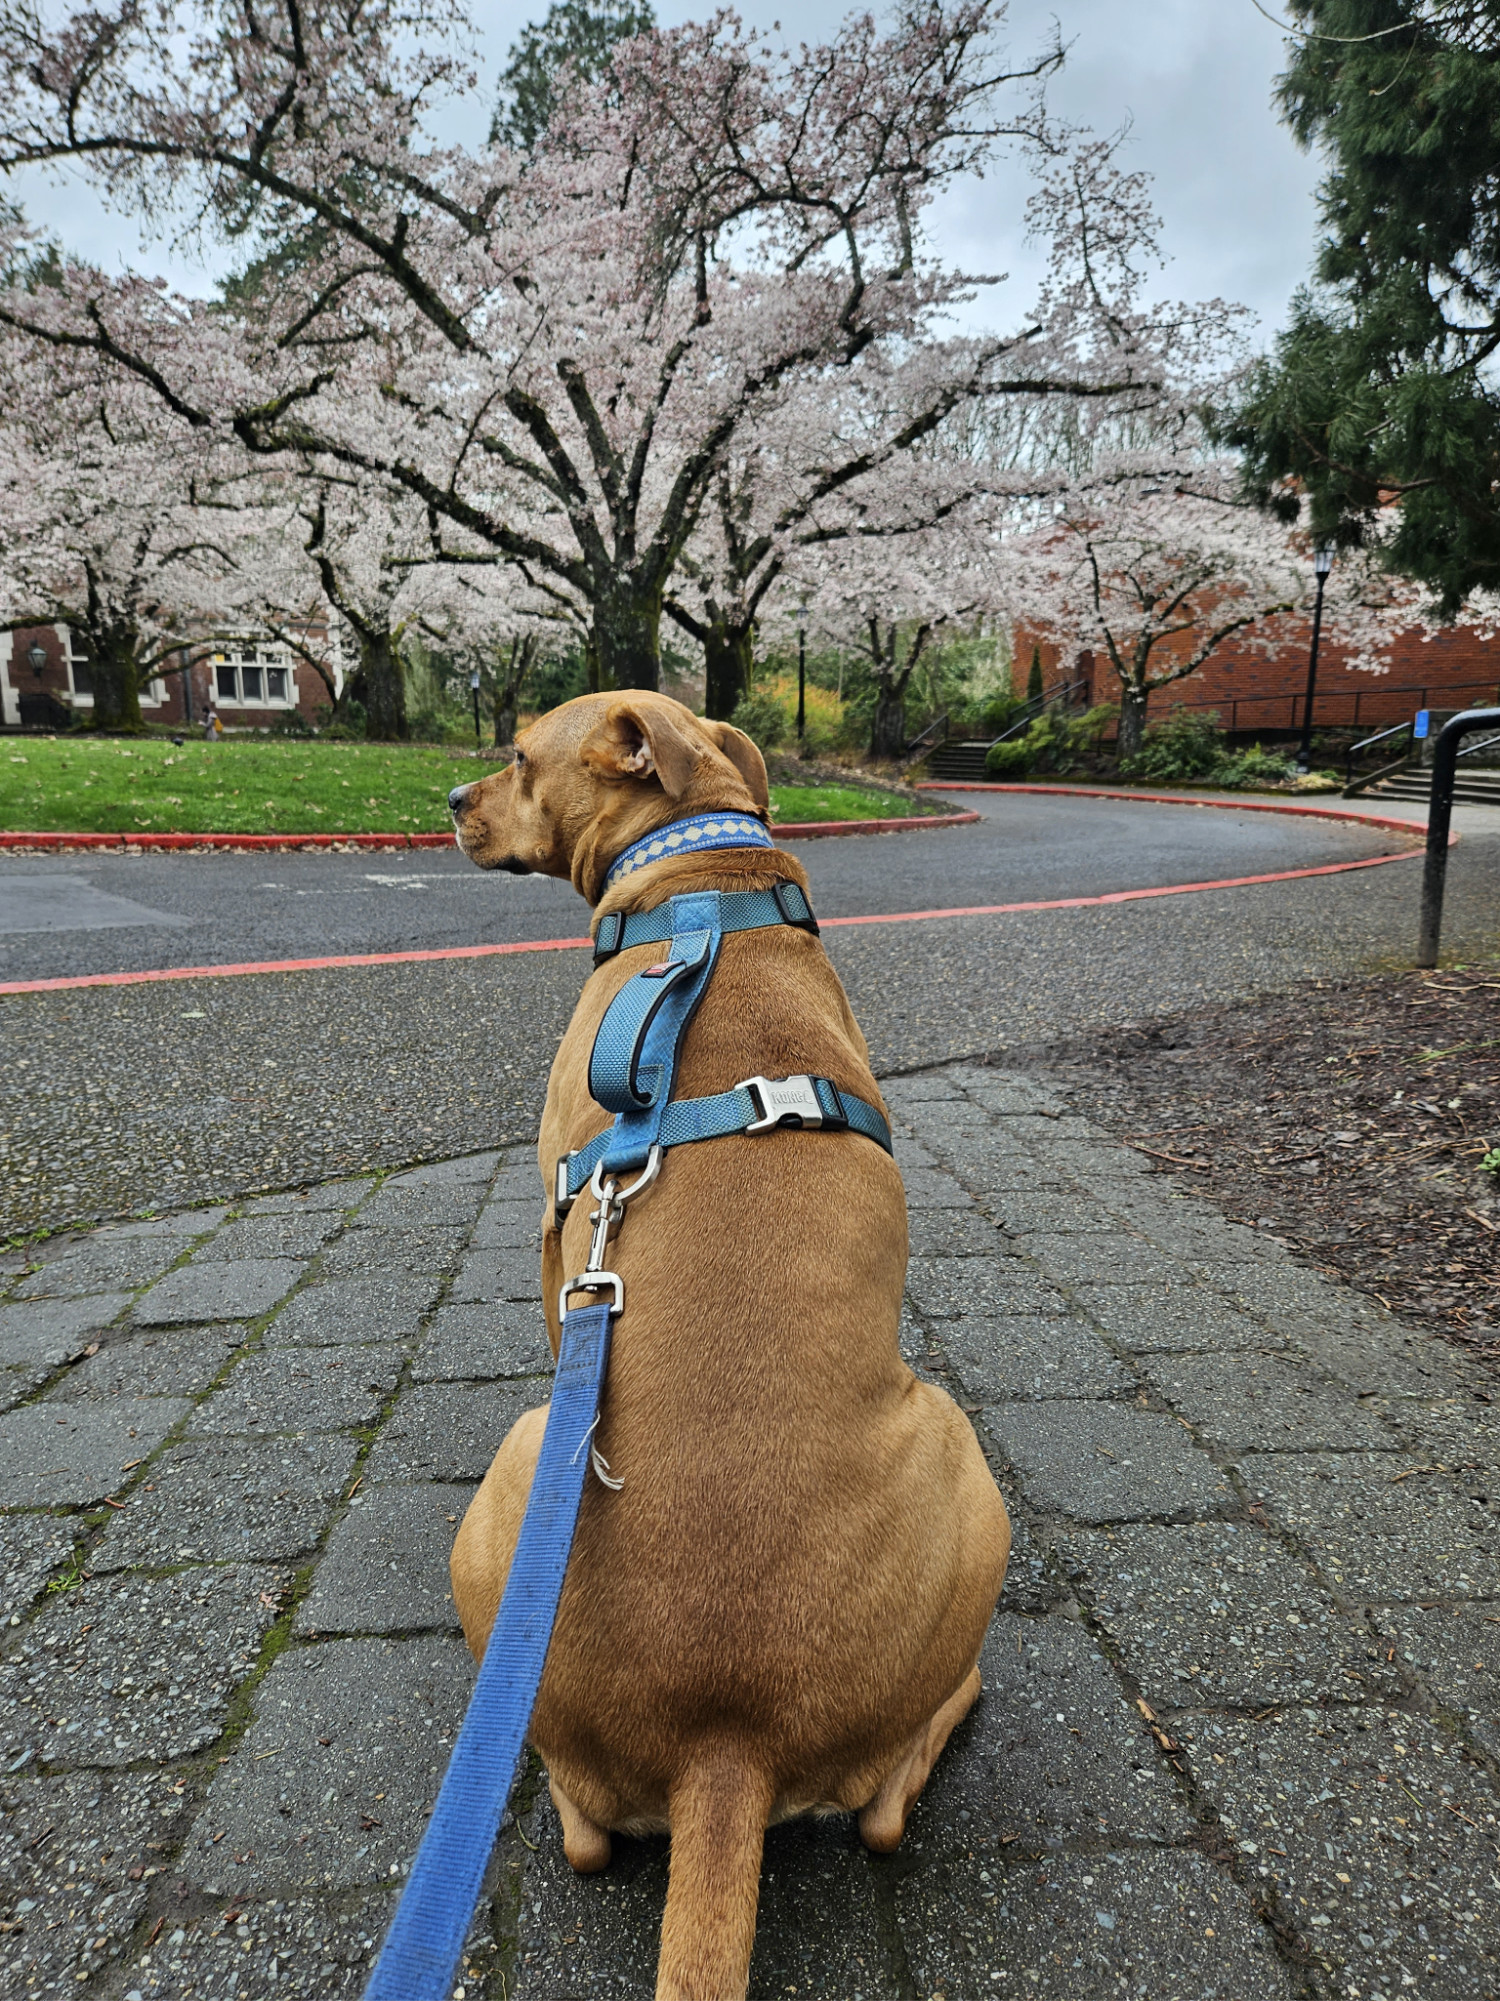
x: 1473, y: 787
x: 958, y: 760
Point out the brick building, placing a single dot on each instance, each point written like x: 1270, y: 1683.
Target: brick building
x: 1258, y: 693
x: 249, y: 680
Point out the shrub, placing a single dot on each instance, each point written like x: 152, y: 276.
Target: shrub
x: 763, y: 719
x: 1053, y: 742
x: 1186, y: 744
x: 1002, y: 760
x: 1259, y: 766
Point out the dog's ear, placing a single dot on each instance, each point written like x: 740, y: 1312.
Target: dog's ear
x: 637, y: 739
x: 746, y: 759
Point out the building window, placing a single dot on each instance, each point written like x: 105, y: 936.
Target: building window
x: 253, y: 677
x: 81, y: 678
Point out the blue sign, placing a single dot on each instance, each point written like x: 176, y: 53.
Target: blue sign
x: 1422, y: 725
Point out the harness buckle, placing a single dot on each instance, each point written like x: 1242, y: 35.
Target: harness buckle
x: 784, y: 1101
x: 794, y: 907
x: 608, y: 937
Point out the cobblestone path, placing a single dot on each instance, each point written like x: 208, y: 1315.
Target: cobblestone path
x: 1240, y: 1720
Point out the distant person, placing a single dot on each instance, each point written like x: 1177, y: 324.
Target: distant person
x: 213, y: 729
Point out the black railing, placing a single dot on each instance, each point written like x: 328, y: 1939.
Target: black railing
x: 1063, y: 692
x: 935, y: 732
x: 1250, y: 712
x: 1396, y: 729
x: 1445, y: 758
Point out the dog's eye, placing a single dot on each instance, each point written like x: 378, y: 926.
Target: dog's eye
x: 520, y: 759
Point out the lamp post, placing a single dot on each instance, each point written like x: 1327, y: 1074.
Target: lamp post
x: 474, y: 691
x: 801, y: 673
x: 36, y: 656
x: 1322, y: 564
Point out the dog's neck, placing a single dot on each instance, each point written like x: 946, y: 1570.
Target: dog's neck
x: 626, y: 820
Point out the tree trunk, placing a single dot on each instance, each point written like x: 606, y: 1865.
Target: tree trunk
x: 384, y: 688
x: 627, y: 639
x: 1132, y: 722
x: 888, y: 729
x: 117, y: 683
x: 727, y: 659
x: 505, y: 721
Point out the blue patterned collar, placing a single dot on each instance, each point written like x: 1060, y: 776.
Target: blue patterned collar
x: 696, y: 836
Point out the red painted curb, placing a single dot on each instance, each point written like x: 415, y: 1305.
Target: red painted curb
x: 1411, y: 827
x: 793, y: 830
x: 578, y: 944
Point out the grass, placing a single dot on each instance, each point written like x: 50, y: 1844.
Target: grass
x: 847, y: 802
x: 251, y: 786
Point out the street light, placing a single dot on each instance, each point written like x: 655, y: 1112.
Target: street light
x: 474, y: 691
x: 801, y: 672
x: 1322, y: 564
x: 36, y: 655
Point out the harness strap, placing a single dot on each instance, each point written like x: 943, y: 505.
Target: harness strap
x: 740, y: 910
x: 758, y: 1105
x: 421, y: 1950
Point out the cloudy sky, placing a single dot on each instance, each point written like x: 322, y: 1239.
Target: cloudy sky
x: 1193, y: 78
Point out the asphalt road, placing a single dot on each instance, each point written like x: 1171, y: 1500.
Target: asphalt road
x: 112, y: 1099
x: 94, y: 913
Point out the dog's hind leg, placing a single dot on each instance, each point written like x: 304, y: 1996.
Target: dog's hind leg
x: 585, y: 1844
x: 883, y: 1822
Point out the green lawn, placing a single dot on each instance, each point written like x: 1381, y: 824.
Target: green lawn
x: 252, y: 786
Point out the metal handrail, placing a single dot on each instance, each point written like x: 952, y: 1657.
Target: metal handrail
x: 1439, y: 818
x: 1035, y: 707
x: 1355, y: 749
x: 1484, y: 743
x: 940, y: 723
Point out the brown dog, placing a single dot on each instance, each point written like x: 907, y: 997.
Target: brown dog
x: 781, y: 1610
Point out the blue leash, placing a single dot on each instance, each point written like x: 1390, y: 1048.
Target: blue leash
x: 420, y: 1956
x: 631, y: 1072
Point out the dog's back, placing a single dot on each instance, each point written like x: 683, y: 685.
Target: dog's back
x: 781, y: 1608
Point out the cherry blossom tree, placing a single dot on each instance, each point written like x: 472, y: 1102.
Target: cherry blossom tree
x: 1153, y: 560
x: 561, y: 354
x: 117, y: 523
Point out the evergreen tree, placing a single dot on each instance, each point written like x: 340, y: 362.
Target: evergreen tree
x: 581, y: 33
x: 1034, y: 689
x: 1384, y: 386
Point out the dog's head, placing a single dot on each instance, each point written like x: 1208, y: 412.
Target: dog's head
x: 595, y: 775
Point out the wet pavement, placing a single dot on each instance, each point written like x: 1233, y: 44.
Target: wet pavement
x: 1242, y: 1694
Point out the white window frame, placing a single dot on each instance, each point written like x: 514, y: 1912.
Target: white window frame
x: 153, y: 692
x: 270, y: 654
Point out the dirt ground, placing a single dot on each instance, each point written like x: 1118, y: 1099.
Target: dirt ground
x: 1349, y: 1118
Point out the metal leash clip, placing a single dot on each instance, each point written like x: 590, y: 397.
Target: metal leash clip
x: 612, y: 1199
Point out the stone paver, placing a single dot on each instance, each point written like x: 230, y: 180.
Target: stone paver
x: 1107, y: 1462
x: 212, y: 1500
x: 218, y: 1289
x: 72, y: 1452
x: 338, y: 1769
x: 1242, y: 1695
x: 49, y: 1332
x: 303, y: 1389
x: 121, y: 1671
x: 389, y: 1307
x: 386, y: 1566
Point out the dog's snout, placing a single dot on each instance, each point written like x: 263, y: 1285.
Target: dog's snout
x: 457, y: 797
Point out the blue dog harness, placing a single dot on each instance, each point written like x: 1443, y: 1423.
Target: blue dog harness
x: 632, y: 1069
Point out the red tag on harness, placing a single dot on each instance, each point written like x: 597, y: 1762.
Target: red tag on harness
x: 657, y: 972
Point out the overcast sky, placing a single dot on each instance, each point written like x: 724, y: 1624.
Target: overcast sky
x: 1194, y: 78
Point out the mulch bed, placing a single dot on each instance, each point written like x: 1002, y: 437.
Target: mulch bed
x: 1347, y: 1117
